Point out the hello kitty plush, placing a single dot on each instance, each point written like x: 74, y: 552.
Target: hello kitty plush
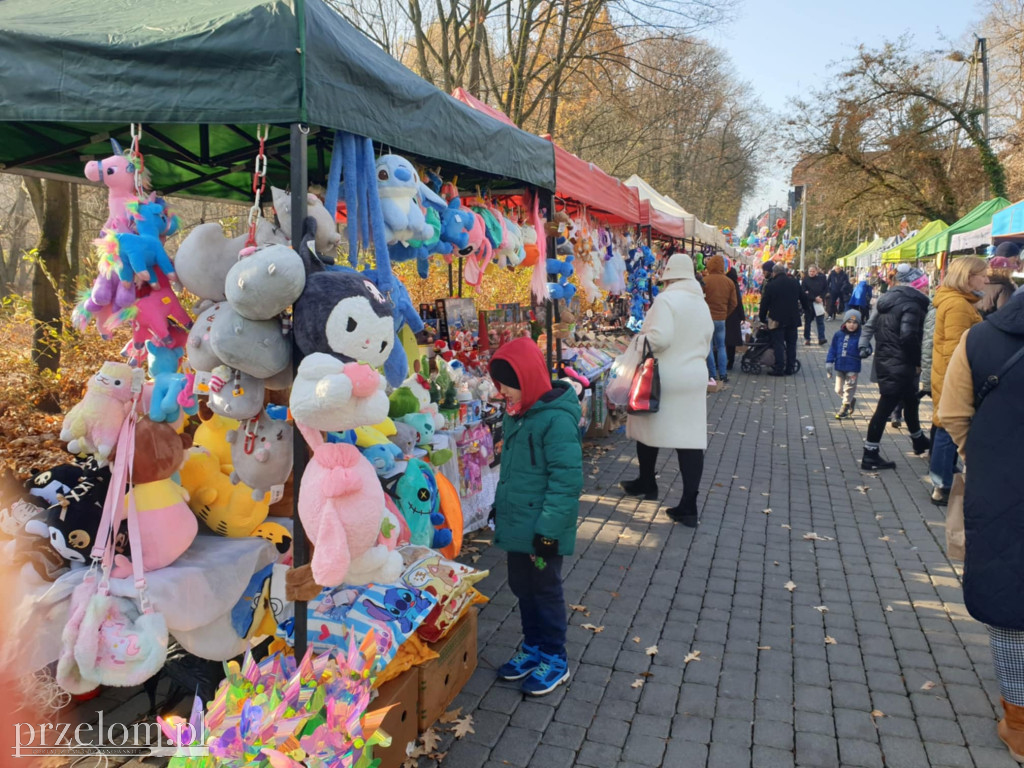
x: 93, y: 424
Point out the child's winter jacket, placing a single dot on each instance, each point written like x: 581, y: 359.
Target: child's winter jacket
x: 843, y: 351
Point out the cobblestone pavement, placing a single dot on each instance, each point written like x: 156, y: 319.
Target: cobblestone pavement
x: 871, y: 660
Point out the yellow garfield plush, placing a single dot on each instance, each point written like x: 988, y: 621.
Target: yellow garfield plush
x: 225, y: 508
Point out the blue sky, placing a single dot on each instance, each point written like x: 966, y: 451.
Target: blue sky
x: 783, y: 47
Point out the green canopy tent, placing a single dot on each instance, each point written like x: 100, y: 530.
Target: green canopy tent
x: 907, y: 250
x: 850, y: 259
x: 200, y: 75
x: 979, y: 217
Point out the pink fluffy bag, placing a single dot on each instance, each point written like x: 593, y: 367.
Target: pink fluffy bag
x: 340, y: 504
x: 112, y: 640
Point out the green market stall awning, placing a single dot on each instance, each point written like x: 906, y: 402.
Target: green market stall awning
x: 979, y: 217
x: 199, y: 74
x: 850, y: 259
x: 907, y: 250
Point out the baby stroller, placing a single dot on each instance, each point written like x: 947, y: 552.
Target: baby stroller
x: 759, y: 355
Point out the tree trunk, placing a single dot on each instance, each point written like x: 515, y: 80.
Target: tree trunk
x: 49, y: 267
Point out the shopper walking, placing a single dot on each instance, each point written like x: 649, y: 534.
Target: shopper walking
x: 990, y: 434
x: 679, y: 328
x: 860, y: 298
x: 781, y: 309
x: 814, y: 287
x: 838, y: 283
x: 734, y: 323
x: 998, y: 287
x: 898, y: 329
x: 720, y: 294
x: 536, y: 507
x: 954, y: 314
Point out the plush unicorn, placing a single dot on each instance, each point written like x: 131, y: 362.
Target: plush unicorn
x: 107, y: 297
x: 156, y: 316
x: 118, y: 174
x: 143, y: 253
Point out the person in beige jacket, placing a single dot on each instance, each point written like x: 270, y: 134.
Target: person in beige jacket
x: 720, y: 294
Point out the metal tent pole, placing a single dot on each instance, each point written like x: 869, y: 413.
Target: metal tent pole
x: 300, y: 546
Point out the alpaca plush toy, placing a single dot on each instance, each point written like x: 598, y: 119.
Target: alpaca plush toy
x: 118, y: 175
x: 341, y: 504
x: 226, y: 508
x: 143, y: 253
x: 93, y: 424
x: 205, y: 256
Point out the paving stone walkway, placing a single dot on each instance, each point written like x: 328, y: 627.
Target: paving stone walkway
x: 870, y: 660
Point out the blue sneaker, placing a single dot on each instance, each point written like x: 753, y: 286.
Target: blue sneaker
x: 549, y: 674
x: 523, y: 663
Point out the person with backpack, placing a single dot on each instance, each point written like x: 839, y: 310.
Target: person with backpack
x: 860, y: 299
x: 983, y: 412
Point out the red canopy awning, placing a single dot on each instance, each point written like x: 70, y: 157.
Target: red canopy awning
x: 576, y: 180
x: 661, y: 222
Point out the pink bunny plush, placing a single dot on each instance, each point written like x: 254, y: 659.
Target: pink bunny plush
x: 341, y: 504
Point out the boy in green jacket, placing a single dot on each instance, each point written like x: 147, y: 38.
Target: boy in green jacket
x: 536, y: 507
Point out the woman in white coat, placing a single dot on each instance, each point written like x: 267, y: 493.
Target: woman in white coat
x: 679, y: 329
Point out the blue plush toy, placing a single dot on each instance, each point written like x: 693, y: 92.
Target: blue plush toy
x: 168, y: 384
x: 383, y: 456
x: 143, y: 253
x: 416, y: 496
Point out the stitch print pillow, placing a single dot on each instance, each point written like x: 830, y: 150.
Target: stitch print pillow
x: 449, y: 582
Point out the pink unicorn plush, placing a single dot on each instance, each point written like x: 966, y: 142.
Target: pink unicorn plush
x: 478, y: 254
x: 157, y: 316
x: 118, y: 174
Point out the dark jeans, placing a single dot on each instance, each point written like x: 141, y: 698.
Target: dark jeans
x: 730, y: 357
x: 691, y: 467
x: 942, y: 465
x: 541, y: 601
x: 784, y: 345
x: 810, y: 317
x: 886, y: 404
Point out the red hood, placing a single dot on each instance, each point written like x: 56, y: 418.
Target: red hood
x: 527, y: 361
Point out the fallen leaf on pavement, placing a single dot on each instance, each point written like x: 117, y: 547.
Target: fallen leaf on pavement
x: 879, y: 517
x: 787, y: 526
x: 638, y: 683
x: 652, y: 650
x: 789, y: 585
x: 821, y: 608
x: 625, y: 534
x: 580, y: 608
x: 743, y: 487
x: 888, y: 609
x: 863, y: 488
x: 768, y: 511
x: 691, y: 656
x: 592, y: 628
x: 883, y: 538
x: 430, y: 740
x: 928, y: 685
x: 463, y: 726
x: 636, y: 639
x: 877, y: 713
x: 450, y: 716
x: 812, y: 536
x: 829, y: 640
x: 764, y: 647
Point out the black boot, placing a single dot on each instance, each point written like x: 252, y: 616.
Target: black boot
x: 921, y: 444
x: 872, y: 460
x: 649, y: 491
x: 686, y: 512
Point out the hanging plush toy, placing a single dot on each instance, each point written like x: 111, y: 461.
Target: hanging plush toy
x: 479, y: 254
x: 107, y: 297
x: 167, y: 386
x: 92, y: 426
x: 265, y: 283
x: 118, y: 175
x: 416, y: 496
x: 261, y: 454
x: 327, y: 237
x: 205, y: 256
x: 400, y: 191
x: 140, y: 255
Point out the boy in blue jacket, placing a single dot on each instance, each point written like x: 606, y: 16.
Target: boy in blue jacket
x: 844, y: 361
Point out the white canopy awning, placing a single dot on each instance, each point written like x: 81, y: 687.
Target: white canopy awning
x: 695, y: 228
x: 969, y: 240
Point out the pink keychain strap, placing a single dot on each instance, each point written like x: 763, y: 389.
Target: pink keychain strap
x: 113, y: 507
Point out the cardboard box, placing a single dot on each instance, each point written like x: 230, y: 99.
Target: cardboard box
x: 400, y: 723
x: 442, y: 678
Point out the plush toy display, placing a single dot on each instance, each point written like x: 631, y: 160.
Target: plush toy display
x: 415, y: 495
x: 261, y: 453
x: 168, y: 385
x: 423, y: 423
x: 383, y: 457
x: 72, y: 519
x: 265, y: 283
x: 341, y: 504
x: 402, y: 402
x: 337, y: 396
x: 235, y: 394
x: 226, y: 508
x: 212, y: 434
x: 256, y: 347
x: 327, y: 237
x: 478, y: 254
x: 205, y: 256
x: 198, y: 348
x: 118, y: 175
x: 400, y: 191
x: 107, y: 297
x: 156, y: 316
x: 93, y: 424
x: 166, y: 524
x: 450, y: 506
x: 405, y: 438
